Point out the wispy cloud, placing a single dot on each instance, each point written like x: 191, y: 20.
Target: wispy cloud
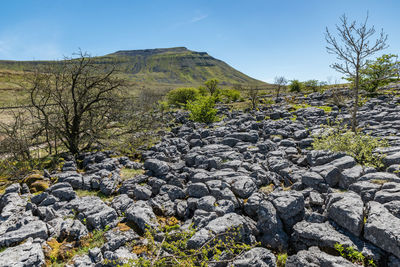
x: 198, y: 18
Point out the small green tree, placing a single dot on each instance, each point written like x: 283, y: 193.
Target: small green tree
x: 181, y: 96
x: 295, y: 86
x: 212, y: 85
x: 311, y: 85
x: 380, y: 72
x: 203, y: 109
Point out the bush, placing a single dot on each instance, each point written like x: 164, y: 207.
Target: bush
x: 295, y: 86
x: 339, y: 138
x: 181, y: 96
x: 173, y: 250
x: 202, y: 110
x: 212, y: 85
x: 354, y: 255
x: 229, y: 95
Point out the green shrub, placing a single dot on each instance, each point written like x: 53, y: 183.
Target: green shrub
x: 281, y: 259
x: 181, y: 96
x: 203, y: 109
x: 339, y: 138
x: 173, y: 249
x: 203, y: 91
x: 212, y: 85
x: 354, y: 255
x: 229, y: 95
x: 295, y: 86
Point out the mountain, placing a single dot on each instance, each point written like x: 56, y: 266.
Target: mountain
x: 167, y: 66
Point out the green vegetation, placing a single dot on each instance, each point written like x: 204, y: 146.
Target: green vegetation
x: 173, y: 249
x: 311, y: 85
x: 281, y: 259
x: 87, y: 193
x: 212, y: 86
x: 179, y: 97
x: 295, y: 86
x: 353, y: 255
x: 380, y: 72
x: 338, y: 138
x: 127, y: 174
x: 203, y: 109
x: 229, y: 95
x: 61, y: 253
x: 295, y: 107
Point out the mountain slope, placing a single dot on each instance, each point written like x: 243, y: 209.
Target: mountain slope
x: 176, y: 66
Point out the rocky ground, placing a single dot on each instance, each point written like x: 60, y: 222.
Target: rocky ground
x: 253, y: 170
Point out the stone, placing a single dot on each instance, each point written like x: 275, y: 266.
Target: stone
x: 347, y: 210
x: 314, y: 257
x: 251, y: 136
x: 380, y: 176
x: 252, y: 204
x: 288, y: 203
x: 95, y: 212
x: 307, y: 234
x: 365, y: 189
x: 121, y: 203
x: 72, y: 230
x: 243, y: 187
x: 393, y: 207
x: 270, y: 227
x: 258, y: 257
x: 95, y: 254
x: 63, y: 191
x: 141, y: 192
x: 350, y: 176
x: 157, y: 167
x: 202, y: 217
x: 330, y: 173
x: 27, y: 254
x: 392, y: 159
x: 314, y: 180
x: 345, y: 162
x: 221, y: 225
x: 382, y: 228
x: 224, y: 206
x: 173, y: 192
x: 389, y: 192
x: 206, y: 203
x: 46, y: 213
x: 197, y: 190
x: 142, y: 215
x: 34, y: 229
x: 117, y: 238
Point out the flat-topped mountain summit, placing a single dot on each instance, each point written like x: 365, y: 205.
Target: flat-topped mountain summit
x: 175, y: 66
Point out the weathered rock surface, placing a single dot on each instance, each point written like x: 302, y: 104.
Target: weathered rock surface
x: 246, y: 172
x: 383, y: 228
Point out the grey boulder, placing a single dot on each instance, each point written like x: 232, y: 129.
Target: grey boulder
x: 383, y: 228
x: 347, y: 210
x: 26, y: 254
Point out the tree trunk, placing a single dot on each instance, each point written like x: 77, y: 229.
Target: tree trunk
x: 355, y: 105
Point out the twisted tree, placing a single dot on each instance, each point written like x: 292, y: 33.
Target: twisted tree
x: 74, y: 99
x: 352, y: 47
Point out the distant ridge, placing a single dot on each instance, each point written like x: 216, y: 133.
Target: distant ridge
x: 175, y: 66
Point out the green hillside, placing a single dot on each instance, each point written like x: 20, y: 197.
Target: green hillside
x: 172, y: 66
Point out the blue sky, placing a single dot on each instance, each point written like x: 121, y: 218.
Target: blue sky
x: 262, y: 38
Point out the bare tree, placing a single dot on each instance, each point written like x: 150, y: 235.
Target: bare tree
x: 280, y: 82
x: 17, y: 136
x: 352, y: 48
x: 74, y: 99
x: 253, y: 93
